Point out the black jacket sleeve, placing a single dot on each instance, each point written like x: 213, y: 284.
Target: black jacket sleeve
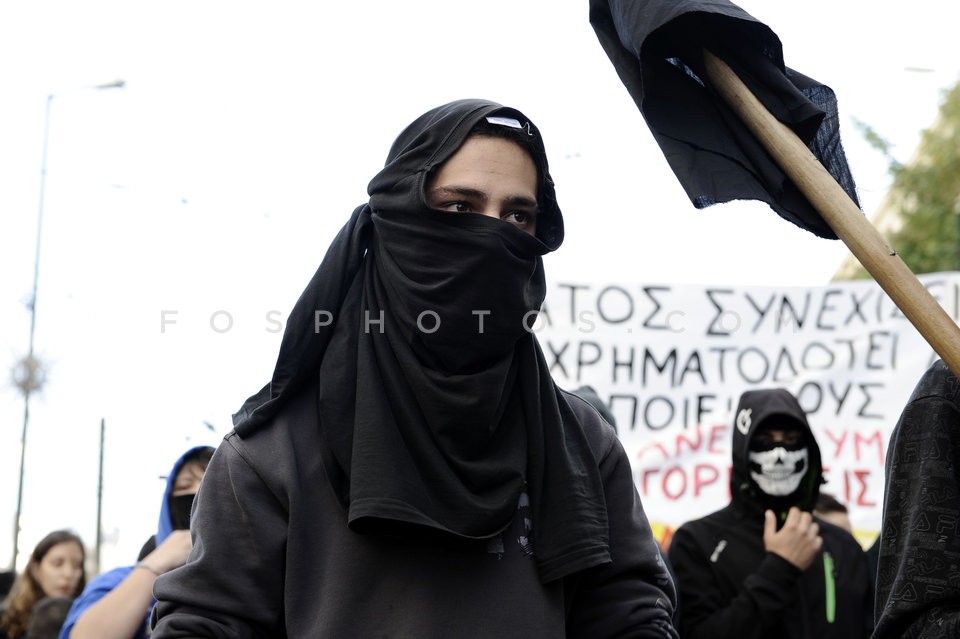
x: 634, y: 595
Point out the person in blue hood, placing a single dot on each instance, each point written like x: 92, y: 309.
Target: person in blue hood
x: 117, y: 603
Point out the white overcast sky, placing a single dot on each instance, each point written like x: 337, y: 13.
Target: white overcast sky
x: 245, y: 135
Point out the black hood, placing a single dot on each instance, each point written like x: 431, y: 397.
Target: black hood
x: 439, y: 431
x: 755, y: 409
x: 432, y: 138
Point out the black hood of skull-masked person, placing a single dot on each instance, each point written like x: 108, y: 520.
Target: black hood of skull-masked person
x: 760, y: 409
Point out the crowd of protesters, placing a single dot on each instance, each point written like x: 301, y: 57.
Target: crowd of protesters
x: 410, y: 483
x: 779, y: 560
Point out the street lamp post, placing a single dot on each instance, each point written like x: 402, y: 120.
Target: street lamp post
x: 29, y: 375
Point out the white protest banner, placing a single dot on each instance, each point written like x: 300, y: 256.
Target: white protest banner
x: 672, y: 360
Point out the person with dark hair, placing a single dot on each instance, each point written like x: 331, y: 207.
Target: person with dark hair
x: 117, y: 603
x: 48, y: 617
x: 55, y: 569
x: 829, y: 508
x: 918, y: 589
x: 762, y: 566
x: 412, y: 469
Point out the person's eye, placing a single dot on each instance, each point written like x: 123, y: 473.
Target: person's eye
x: 456, y: 206
x: 521, y: 219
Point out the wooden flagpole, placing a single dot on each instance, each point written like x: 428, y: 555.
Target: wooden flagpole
x: 841, y: 213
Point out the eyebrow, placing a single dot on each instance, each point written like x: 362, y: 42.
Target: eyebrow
x: 467, y: 192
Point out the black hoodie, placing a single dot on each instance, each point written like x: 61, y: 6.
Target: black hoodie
x: 730, y: 586
x: 918, y: 581
x: 761, y: 408
x: 391, y: 481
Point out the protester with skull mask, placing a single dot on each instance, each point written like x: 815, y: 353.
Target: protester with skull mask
x: 117, y: 603
x: 763, y: 566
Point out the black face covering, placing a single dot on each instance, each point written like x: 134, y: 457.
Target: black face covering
x: 429, y: 425
x: 180, y: 506
x: 462, y: 288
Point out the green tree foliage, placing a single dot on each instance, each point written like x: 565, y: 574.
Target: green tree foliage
x: 925, y: 194
x: 928, y: 195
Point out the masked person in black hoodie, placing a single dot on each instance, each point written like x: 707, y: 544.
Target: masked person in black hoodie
x: 763, y: 566
x: 412, y: 469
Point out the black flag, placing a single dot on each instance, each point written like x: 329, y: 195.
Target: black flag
x: 657, y: 49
